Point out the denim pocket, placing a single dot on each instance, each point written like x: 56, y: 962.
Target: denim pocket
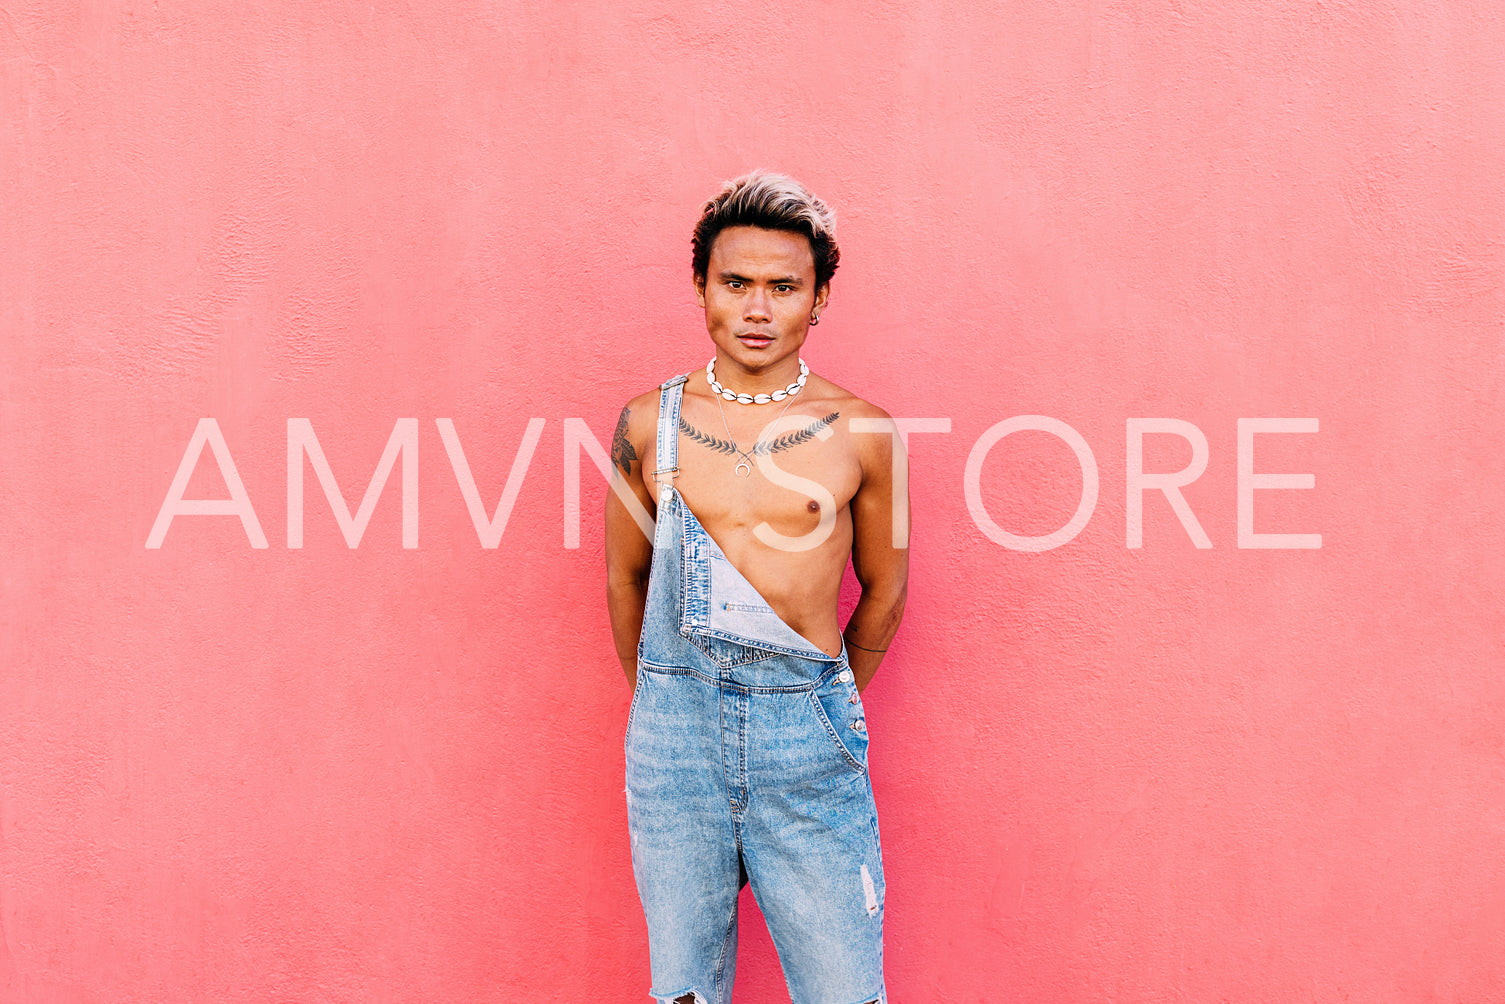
x: 843, y: 719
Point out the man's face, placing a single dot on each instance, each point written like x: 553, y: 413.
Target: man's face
x: 758, y: 293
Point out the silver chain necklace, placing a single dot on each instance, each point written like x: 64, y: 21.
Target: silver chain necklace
x: 745, y: 464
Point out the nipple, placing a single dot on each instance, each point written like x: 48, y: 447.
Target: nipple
x: 813, y: 506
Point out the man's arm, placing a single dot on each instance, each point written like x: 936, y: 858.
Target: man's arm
x: 629, y: 555
x: 881, y: 568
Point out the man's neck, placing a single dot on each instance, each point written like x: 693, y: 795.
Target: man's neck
x: 738, y: 380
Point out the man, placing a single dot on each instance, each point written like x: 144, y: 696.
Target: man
x: 746, y: 741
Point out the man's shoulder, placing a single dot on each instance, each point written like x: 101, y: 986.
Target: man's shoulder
x: 639, y: 417
x: 849, y: 404
x: 642, y: 402
x: 860, y: 418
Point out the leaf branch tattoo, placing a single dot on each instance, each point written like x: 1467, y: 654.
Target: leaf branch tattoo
x: 622, y: 453
x: 788, y: 441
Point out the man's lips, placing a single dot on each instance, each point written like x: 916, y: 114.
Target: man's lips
x: 754, y: 338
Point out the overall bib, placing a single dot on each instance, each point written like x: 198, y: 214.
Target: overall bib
x: 746, y: 758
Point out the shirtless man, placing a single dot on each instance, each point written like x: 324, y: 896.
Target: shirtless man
x: 746, y: 741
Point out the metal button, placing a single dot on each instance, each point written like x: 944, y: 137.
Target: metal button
x: 859, y: 725
x: 845, y: 676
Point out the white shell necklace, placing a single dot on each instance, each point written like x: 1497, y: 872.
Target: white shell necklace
x: 778, y: 395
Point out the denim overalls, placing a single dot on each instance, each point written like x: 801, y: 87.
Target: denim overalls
x: 746, y: 761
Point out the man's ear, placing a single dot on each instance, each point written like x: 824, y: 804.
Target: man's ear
x: 700, y: 289
x: 821, y: 295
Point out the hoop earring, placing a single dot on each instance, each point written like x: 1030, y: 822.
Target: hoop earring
x: 814, y: 319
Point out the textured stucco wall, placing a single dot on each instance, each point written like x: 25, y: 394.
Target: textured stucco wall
x: 1105, y: 774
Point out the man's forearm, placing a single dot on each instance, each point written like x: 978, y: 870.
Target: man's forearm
x: 872, y: 626
x: 625, y: 603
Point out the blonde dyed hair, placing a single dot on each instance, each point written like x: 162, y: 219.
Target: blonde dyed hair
x: 773, y: 202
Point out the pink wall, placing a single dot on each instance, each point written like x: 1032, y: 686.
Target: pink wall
x: 1104, y: 774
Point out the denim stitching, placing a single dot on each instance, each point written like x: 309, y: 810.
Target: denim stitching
x: 768, y: 646
x: 632, y: 709
x: 835, y: 737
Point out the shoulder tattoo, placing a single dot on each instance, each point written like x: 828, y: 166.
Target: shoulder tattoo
x: 622, y: 453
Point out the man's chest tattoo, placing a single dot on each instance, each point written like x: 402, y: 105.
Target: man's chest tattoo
x: 763, y: 448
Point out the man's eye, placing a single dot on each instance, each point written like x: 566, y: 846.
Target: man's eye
x: 784, y: 289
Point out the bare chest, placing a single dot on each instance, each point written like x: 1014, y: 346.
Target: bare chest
x: 791, y: 477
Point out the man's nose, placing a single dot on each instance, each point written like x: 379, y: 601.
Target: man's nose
x: 757, y: 308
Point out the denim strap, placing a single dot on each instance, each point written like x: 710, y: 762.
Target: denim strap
x: 667, y: 451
